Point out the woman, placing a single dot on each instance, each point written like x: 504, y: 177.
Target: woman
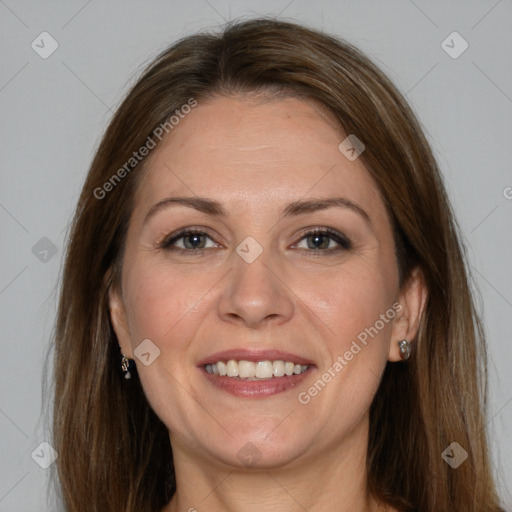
x: 265, y: 304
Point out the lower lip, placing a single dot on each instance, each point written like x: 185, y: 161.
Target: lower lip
x: 255, y: 388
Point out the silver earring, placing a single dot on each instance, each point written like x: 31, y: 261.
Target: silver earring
x: 405, y: 349
x: 125, y: 366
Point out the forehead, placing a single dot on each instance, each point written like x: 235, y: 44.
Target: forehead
x: 251, y: 152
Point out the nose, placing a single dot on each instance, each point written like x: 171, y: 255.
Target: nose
x: 255, y: 294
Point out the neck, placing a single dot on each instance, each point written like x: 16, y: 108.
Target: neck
x: 335, y: 479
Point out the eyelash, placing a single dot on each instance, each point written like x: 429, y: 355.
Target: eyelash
x: 343, y: 242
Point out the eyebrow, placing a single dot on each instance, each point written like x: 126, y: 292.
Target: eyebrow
x: 300, y: 207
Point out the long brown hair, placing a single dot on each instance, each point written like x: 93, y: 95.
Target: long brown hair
x: 114, y: 453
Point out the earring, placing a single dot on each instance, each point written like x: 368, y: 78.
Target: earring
x: 405, y: 349
x: 125, y: 366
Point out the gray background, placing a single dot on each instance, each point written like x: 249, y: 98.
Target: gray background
x: 54, y: 111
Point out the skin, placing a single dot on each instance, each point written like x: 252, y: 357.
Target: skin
x: 255, y: 156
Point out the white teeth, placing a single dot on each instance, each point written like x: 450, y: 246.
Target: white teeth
x: 246, y: 369
x: 221, y: 366
x: 278, y: 368
x: 232, y: 369
x: 264, y: 370
x: 249, y: 370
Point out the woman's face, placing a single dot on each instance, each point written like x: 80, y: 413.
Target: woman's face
x: 259, y: 281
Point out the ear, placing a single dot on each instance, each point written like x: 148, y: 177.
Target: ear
x: 412, y: 298
x: 119, y: 322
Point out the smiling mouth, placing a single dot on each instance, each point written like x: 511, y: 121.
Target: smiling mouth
x: 255, y: 371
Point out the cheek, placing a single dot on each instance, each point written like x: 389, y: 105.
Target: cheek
x: 357, y: 308
x: 159, y: 300
x: 350, y: 303
x: 166, y: 307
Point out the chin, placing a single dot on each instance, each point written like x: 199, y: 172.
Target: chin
x: 259, y: 447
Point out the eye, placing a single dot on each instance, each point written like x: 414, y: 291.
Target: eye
x: 320, y: 241
x: 188, y: 240
x: 324, y: 241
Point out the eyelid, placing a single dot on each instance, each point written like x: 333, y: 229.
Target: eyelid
x: 180, y: 233
x: 340, y: 238
x: 344, y: 243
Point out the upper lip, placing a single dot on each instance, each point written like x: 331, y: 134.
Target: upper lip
x: 241, y: 354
